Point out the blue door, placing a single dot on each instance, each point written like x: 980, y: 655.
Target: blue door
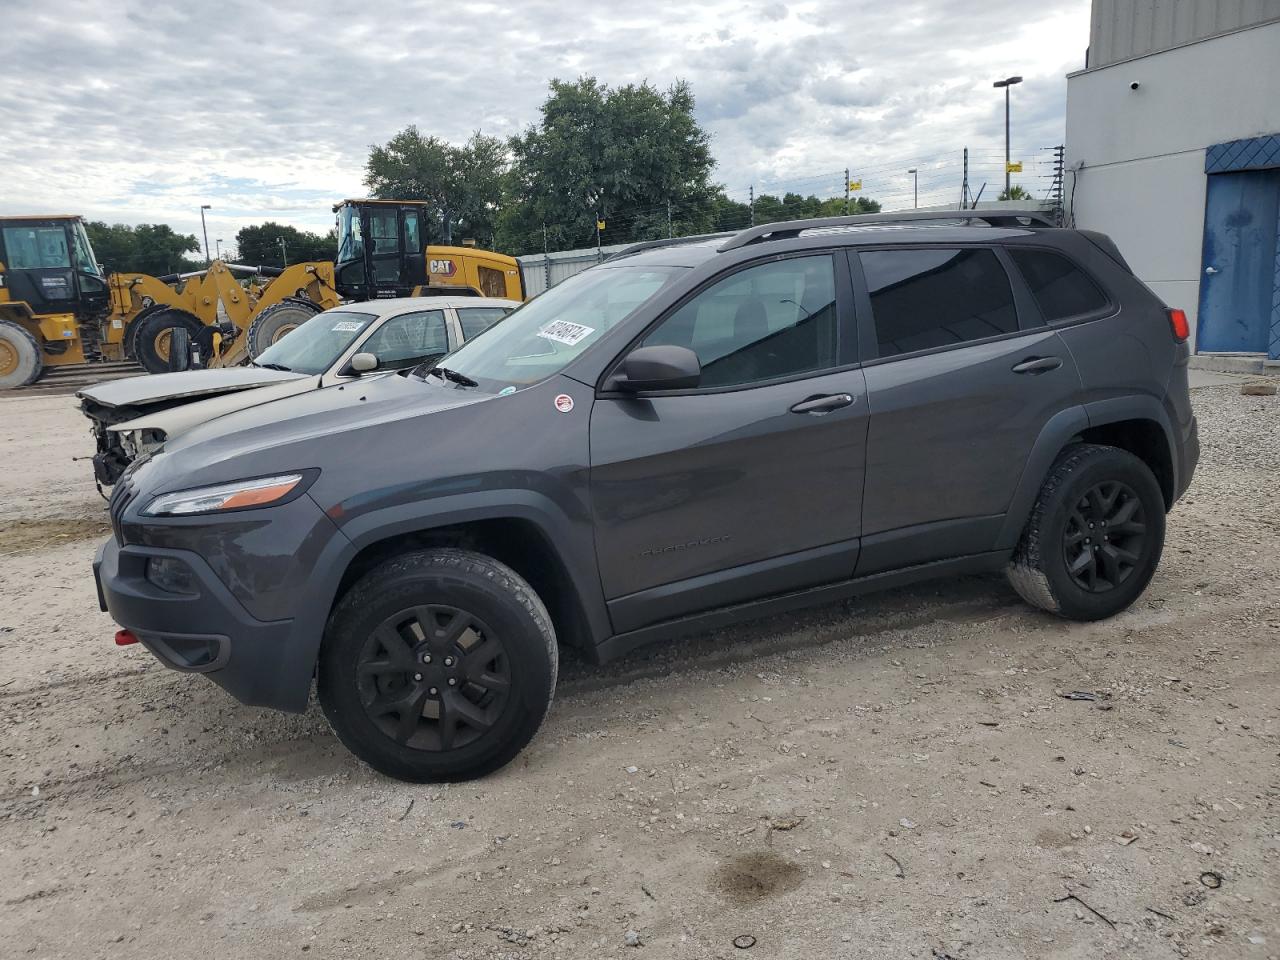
x: 1239, y: 280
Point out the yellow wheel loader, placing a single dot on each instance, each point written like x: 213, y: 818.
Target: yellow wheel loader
x: 51, y: 293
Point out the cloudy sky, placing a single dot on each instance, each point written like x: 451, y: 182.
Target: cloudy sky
x: 134, y: 112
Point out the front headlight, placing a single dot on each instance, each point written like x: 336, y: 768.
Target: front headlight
x: 239, y: 495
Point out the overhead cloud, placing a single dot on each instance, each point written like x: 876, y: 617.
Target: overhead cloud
x: 136, y: 112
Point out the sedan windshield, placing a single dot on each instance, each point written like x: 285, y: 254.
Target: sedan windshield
x: 317, y: 344
x: 541, y: 337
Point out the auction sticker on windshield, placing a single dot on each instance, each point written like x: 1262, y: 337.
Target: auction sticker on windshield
x: 562, y: 331
x: 347, y: 326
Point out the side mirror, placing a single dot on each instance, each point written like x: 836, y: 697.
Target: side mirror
x: 659, y: 368
x: 363, y: 363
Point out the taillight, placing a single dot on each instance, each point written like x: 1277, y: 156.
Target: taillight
x: 1178, y: 321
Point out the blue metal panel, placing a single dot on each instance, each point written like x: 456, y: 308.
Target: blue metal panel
x: 1254, y: 153
x: 1238, y: 295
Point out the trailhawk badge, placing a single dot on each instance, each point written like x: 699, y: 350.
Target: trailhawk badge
x: 564, y: 403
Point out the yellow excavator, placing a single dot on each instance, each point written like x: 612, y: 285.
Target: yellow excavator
x: 56, y: 307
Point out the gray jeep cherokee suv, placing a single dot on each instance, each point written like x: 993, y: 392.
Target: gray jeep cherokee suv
x: 693, y: 433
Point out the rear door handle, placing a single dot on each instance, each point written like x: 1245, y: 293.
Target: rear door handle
x: 1037, y: 365
x: 821, y: 405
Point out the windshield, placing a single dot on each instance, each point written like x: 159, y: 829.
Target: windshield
x: 317, y: 344
x: 543, y: 335
x: 85, y: 261
x: 350, y: 237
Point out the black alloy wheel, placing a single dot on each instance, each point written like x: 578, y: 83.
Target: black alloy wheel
x: 433, y: 677
x: 1105, y: 536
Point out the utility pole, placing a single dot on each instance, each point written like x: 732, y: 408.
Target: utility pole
x: 599, y: 227
x: 751, y: 203
x: 846, y: 191
x: 669, y: 233
x: 284, y: 250
x: 915, y: 187
x: 204, y: 229
x: 217, y: 245
x: 964, y: 184
x: 1007, y: 82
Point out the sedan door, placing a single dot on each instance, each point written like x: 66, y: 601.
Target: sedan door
x: 750, y: 484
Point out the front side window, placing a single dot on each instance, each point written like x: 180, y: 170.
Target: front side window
x: 36, y: 248
x: 350, y: 235
x: 85, y: 261
x: 762, y: 323
x: 316, y: 345
x: 923, y: 299
x: 1061, y: 288
x: 476, y: 320
x: 384, y: 230
x: 408, y: 339
x: 542, y: 336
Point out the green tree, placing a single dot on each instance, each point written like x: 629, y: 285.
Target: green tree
x: 464, y: 184
x: 260, y: 245
x: 152, y: 248
x: 734, y: 215
x: 634, y: 156
x: 1015, y: 192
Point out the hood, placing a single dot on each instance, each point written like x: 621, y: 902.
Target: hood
x: 160, y: 387
x: 177, y: 420
x: 309, y: 426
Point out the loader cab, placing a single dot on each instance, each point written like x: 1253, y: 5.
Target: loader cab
x: 380, y: 248
x: 48, y: 264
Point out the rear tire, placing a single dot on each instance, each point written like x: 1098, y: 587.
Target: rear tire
x: 151, y: 343
x: 21, y: 362
x: 438, y: 666
x: 1094, y: 537
x: 276, y: 321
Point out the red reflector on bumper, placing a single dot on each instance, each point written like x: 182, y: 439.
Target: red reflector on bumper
x: 124, y: 638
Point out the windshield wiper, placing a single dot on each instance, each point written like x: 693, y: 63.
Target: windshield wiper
x: 273, y: 366
x: 454, y: 376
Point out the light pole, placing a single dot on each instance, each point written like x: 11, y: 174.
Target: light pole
x: 1007, y: 82
x: 284, y: 251
x: 205, y: 229
x: 217, y: 245
x: 915, y: 187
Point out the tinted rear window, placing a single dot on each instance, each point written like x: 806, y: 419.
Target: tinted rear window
x: 1061, y: 288
x: 923, y: 299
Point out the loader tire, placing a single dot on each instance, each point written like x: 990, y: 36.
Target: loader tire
x: 152, y: 341
x: 179, y: 349
x: 276, y: 321
x: 130, y: 338
x: 20, y: 360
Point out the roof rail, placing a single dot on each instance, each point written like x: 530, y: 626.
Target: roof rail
x: 787, y: 229
x: 668, y: 242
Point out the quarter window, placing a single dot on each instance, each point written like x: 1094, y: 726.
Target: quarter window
x: 479, y: 319
x: 409, y: 338
x: 922, y: 299
x: 762, y: 323
x: 1060, y: 287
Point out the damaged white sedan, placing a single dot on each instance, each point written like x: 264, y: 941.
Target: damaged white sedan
x: 134, y: 416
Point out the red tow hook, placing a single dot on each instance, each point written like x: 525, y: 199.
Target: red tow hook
x: 125, y: 637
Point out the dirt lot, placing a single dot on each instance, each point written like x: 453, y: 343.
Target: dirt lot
x: 898, y: 777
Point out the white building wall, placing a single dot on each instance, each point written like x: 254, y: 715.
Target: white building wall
x: 1138, y: 155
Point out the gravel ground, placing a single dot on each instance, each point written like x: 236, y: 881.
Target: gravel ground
x: 895, y: 777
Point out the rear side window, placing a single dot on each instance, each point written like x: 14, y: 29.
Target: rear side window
x: 476, y: 320
x: 1061, y: 288
x: 922, y: 299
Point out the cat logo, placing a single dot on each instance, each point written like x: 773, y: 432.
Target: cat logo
x: 444, y: 268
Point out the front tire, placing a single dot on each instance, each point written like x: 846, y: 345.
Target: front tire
x: 438, y: 666
x: 21, y: 362
x: 1094, y: 537
x: 153, y: 340
x: 277, y: 321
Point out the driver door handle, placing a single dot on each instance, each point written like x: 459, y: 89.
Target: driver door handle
x: 1035, y: 365
x: 821, y: 405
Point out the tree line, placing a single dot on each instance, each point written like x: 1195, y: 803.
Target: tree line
x: 633, y: 158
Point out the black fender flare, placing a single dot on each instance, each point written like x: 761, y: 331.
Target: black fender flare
x: 572, y: 541
x: 1057, y: 433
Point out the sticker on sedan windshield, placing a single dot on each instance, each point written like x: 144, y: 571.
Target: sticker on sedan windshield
x: 348, y: 326
x: 562, y: 331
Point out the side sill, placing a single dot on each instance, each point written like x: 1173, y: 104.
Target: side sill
x: 624, y: 643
